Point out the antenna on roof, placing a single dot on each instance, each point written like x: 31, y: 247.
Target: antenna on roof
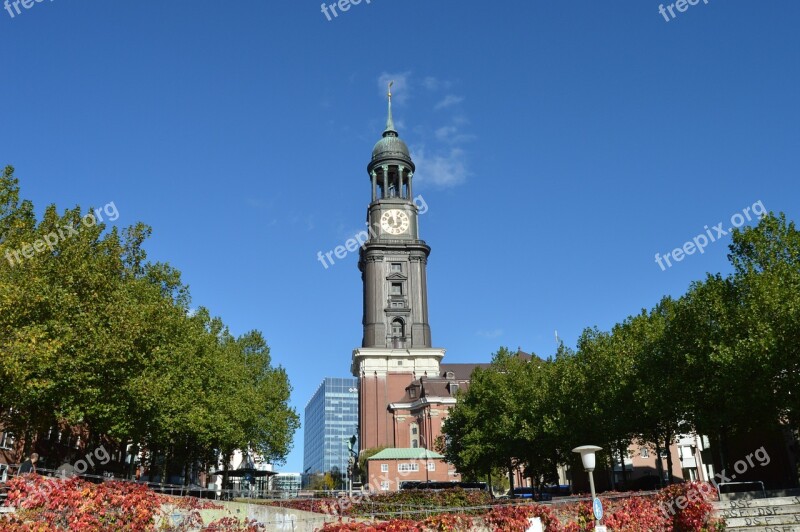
x: 558, y: 340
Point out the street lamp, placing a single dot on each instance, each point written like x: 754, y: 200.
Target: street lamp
x: 588, y: 458
x: 351, y: 463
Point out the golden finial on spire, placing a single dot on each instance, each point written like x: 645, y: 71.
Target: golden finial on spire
x: 389, y: 119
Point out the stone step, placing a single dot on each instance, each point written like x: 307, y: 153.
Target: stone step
x: 756, y: 503
x: 764, y: 521
x: 779, y: 528
x: 759, y: 511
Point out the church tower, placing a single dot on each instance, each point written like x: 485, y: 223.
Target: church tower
x: 396, y: 344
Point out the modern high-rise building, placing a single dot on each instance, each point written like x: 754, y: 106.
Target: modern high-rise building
x: 331, y: 419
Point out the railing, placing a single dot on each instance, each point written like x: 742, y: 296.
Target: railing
x: 176, y: 490
x: 719, y: 486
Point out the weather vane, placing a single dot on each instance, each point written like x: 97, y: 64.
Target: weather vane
x: 390, y: 89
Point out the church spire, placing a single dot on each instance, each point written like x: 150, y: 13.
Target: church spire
x: 390, y: 130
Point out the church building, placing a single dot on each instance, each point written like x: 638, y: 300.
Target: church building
x: 405, y: 391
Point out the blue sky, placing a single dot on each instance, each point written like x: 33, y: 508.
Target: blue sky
x: 559, y: 147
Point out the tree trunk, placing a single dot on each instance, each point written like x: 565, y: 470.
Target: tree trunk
x: 622, y: 454
x: 723, y: 449
x: 511, y: 477
x: 659, y: 466
x: 164, y: 466
x: 610, y: 464
x: 187, y: 464
x: 134, y: 454
x: 668, y: 444
x: 226, y: 458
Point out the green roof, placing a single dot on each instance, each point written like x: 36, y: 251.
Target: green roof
x: 406, y: 454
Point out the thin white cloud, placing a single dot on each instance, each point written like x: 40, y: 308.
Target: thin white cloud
x: 452, y: 135
x: 401, y: 87
x: 494, y: 333
x: 442, y: 163
x: 449, y: 101
x: 443, y: 170
x: 307, y: 221
x: 433, y: 84
x: 255, y: 202
x: 445, y: 132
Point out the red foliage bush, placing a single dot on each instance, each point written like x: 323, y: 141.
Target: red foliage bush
x: 688, y: 506
x: 49, y: 504
x: 191, y: 503
x: 397, y: 525
x: 391, y: 503
x: 637, y: 513
x: 53, y: 504
x: 231, y: 524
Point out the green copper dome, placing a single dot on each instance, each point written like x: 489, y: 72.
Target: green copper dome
x: 390, y: 149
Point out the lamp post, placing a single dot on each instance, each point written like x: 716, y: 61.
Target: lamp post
x: 351, y: 463
x: 588, y: 458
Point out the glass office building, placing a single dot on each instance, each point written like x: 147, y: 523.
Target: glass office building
x: 331, y: 418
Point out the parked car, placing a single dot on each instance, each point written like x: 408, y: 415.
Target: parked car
x: 531, y: 493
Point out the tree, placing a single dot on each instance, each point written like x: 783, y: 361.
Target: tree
x: 364, y: 457
x: 722, y: 360
x: 766, y: 261
x: 481, y: 431
x: 98, y: 340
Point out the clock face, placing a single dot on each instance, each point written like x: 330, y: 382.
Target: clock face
x: 395, y: 222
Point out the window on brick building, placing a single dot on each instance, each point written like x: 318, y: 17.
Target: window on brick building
x: 414, y: 436
x: 6, y: 440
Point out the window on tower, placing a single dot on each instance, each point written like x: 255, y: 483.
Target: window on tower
x: 398, y: 329
x: 397, y: 267
x: 397, y: 289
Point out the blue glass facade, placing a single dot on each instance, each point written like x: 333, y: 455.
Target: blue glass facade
x: 331, y: 418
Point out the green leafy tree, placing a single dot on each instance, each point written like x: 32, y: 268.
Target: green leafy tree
x: 98, y: 340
